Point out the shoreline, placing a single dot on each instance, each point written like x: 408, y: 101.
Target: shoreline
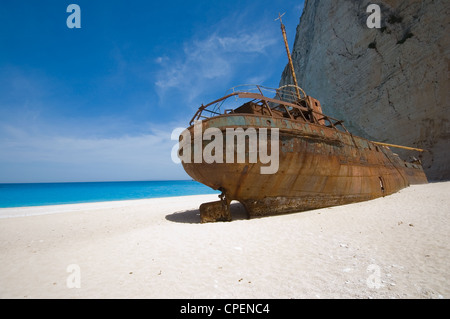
x: 25, y: 211
x: 22, y: 195
x: 391, y: 247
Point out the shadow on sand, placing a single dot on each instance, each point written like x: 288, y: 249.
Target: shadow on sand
x: 193, y: 216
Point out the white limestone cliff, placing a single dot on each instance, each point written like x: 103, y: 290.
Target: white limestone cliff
x: 389, y: 84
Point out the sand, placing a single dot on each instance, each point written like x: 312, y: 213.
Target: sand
x: 392, y: 247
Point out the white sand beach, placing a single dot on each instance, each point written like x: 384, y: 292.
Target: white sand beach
x: 392, y: 247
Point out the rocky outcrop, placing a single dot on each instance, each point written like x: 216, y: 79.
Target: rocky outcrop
x: 389, y: 84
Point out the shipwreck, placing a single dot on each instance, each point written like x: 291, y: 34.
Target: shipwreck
x: 319, y: 162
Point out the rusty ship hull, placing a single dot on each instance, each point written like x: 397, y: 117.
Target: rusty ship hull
x: 319, y: 165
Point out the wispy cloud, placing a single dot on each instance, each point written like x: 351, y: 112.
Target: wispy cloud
x: 39, y: 142
x: 108, y: 158
x: 210, y: 61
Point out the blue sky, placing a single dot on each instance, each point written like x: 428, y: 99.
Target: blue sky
x: 100, y: 103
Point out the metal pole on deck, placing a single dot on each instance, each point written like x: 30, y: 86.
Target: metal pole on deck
x: 291, y: 65
x: 400, y: 146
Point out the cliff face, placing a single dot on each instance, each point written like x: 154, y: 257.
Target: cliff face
x: 389, y: 84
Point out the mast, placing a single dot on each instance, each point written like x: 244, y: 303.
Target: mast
x: 291, y: 65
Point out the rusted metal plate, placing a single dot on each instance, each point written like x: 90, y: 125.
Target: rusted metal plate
x: 215, y: 212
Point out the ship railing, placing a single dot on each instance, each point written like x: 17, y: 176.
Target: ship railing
x: 285, y: 100
x: 285, y: 93
x: 215, y: 108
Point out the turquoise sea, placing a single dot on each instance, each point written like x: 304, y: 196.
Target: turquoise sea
x: 37, y: 194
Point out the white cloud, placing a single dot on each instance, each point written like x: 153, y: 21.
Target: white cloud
x: 140, y: 157
x: 215, y: 59
x: 37, y: 144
